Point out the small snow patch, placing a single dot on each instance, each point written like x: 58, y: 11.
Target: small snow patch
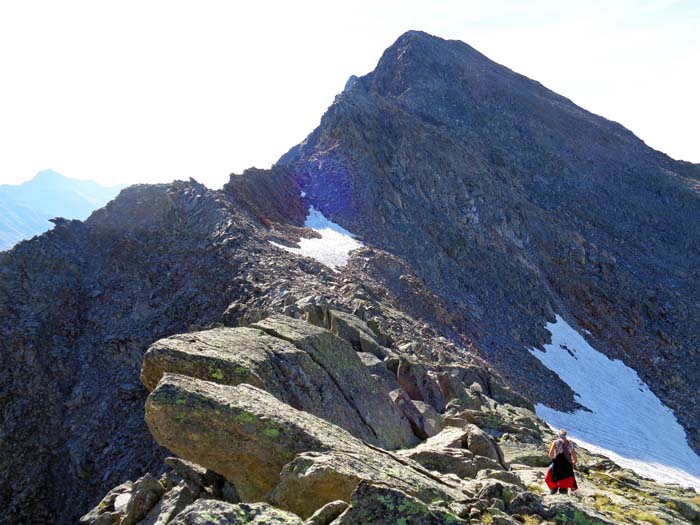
x: 332, y: 249
x: 626, y: 422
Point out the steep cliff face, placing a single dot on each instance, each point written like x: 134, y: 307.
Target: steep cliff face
x: 514, y: 204
x: 485, y: 205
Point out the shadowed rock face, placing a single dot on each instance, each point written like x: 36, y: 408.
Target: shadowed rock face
x: 512, y: 203
x: 486, y: 204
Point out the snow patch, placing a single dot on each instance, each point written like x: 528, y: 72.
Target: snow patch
x: 332, y: 249
x: 626, y: 422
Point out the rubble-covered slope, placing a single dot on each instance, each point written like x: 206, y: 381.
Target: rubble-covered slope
x: 514, y: 205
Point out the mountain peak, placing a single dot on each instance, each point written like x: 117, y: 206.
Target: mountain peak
x: 48, y: 174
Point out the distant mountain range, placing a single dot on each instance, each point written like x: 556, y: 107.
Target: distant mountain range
x: 25, y: 209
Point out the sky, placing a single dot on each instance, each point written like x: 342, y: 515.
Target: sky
x: 156, y: 90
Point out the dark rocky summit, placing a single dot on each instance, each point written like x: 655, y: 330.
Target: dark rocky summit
x: 486, y: 204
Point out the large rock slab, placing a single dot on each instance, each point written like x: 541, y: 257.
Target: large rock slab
x: 381, y: 505
x: 338, y: 358
x: 248, y: 436
x: 209, y: 512
x: 301, y: 375
x: 314, y: 478
x: 448, y: 453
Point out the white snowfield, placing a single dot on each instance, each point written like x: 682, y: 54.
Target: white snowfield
x: 332, y: 249
x: 626, y: 422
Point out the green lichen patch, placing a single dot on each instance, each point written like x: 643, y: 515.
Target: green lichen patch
x: 216, y: 373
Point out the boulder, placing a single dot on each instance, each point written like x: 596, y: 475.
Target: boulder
x: 447, y: 453
x: 248, y: 436
x: 481, y: 444
x: 455, y: 382
x: 567, y: 512
x: 409, y: 410
x: 419, y: 384
x: 144, y: 495
x: 432, y: 420
x: 379, y: 372
x: 337, y: 357
x: 501, y: 475
x: 193, y: 473
x: 327, y: 513
x: 301, y: 375
x: 105, y: 512
x: 527, y: 503
x: 445, y: 460
x: 209, y: 512
x: 355, y: 331
x: 452, y: 437
x: 314, y: 478
x: 381, y: 505
x: 172, y: 503
x: 504, y: 394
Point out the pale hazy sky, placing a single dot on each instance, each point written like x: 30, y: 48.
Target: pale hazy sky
x: 152, y: 90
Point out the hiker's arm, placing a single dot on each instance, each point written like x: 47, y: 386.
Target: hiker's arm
x: 574, y: 457
x: 551, y: 451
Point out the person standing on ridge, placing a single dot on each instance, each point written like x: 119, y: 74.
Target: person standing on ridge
x: 560, y: 474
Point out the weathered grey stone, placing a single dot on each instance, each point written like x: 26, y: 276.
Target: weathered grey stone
x: 355, y: 331
x: 504, y: 394
x: 527, y: 503
x: 567, y: 512
x: 481, y: 444
x: 379, y: 372
x: 533, y: 455
x: 104, y: 513
x: 248, y: 436
x: 192, y: 472
x: 432, y: 420
x: 314, y: 478
x: 445, y: 460
x: 172, y: 503
x: 415, y: 379
x: 210, y: 512
x: 381, y: 505
x: 144, y: 495
x: 302, y: 375
x: 387, y: 426
x: 407, y: 407
x: 501, y: 475
x: 327, y: 513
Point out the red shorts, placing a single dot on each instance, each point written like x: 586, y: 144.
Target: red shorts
x: 566, y: 483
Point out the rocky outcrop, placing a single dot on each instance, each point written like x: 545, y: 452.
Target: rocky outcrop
x: 290, y: 465
x: 205, y: 512
x: 249, y: 437
x: 311, y: 370
x: 382, y: 505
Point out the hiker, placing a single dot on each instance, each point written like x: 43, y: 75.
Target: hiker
x: 560, y: 474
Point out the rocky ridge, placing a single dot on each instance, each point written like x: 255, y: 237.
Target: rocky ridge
x: 463, y: 181
x: 245, y: 456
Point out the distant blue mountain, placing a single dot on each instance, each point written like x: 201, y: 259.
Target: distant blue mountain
x: 25, y: 209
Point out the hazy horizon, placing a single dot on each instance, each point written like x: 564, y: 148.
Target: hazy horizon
x: 160, y: 91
